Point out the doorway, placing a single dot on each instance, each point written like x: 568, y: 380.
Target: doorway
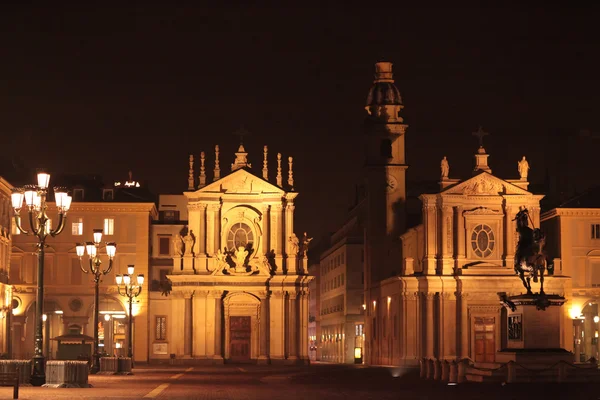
x: 239, y: 339
x: 485, y: 343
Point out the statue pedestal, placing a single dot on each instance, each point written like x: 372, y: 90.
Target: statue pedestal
x: 533, y: 327
x: 188, y: 264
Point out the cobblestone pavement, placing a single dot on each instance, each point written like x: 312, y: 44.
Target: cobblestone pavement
x: 318, y: 381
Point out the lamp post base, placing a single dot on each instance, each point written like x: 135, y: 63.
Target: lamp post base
x: 95, y: 364
x: 38, y: 376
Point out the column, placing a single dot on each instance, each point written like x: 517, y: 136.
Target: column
x: 303, y: 326
x: 292, y: 326
x: 464, y: 325
x: 213, y: 319
x: 291, y: 261
x: 201, y: 236
x: 277, y: 326
x: 277, y: 235
x: 210, y: 230
x: 460, y: 237
x: 447, y: 242
x: 509, y: 254
x: 429, y: 226
x: 199, y: 323
x: 218, y: 339
x: 265, y: 229
x: 263, y: 351
x: 217, y: 240
x: 187, y: 325
x: 429, y: 325
x: 177, y: 337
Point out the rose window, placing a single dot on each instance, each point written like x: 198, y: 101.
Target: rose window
x: 483, y: 240
x: 240, y: 234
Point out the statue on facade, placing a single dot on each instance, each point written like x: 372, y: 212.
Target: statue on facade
x: 305, y: 242
x: 445, y: 167
x: 178, y: 245
x: 295, y: 244
x: 240, y: 259
x: 530, y: 257
x: 523, y: 168
x: 188, y: 240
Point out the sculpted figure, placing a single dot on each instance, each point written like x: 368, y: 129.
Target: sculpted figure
x: 188, y: 240
x: 523, y: 168
x: 445, y: 167
x: 295, y: 244
x: 177, y: 245
x: 305, y: 242
x: 240, y: 258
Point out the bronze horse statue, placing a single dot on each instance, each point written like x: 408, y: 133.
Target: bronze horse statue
x: 530, y: 258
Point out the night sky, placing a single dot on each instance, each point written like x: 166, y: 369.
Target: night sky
x: 106, y: 89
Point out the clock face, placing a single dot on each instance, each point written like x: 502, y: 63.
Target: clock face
x: 392, y: 184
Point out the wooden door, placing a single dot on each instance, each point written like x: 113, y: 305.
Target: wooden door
x: 239, y: 339
x: 485, y: 344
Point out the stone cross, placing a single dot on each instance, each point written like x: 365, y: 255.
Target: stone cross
x: 241, y: 133
x: 480, y: 134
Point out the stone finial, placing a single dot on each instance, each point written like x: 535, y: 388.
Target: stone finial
x: 191, y: 174
x: 290, y: 173
x: 265, y: 170
x: 279, y: 179
x: 241, y: 159
x: 383, y: 72
x: 202, y: 171
x: 217, y: 171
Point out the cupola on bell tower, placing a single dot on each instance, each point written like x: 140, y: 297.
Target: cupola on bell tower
x: 385, y: 171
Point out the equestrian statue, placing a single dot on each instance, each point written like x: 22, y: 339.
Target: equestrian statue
x: 530, y: 258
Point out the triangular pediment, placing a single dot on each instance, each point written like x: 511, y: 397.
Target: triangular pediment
x: 485, y: 184
x: 241, y: 181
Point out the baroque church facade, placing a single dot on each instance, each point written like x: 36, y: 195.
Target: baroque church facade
x: 239, y: 282
x: 432, y: 291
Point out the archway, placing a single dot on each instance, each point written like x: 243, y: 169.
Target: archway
x: 242, y: 321
x: 112, y: 326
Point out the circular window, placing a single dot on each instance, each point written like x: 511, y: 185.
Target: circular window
x: 75, y: 305
x: 15, y: 303
x: 240, y: 234
x: 482, y: 240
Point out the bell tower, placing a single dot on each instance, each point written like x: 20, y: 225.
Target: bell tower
x: 385, y: 172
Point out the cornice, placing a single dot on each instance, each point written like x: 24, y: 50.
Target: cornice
x: 110, y: 207
x: 571, y: 212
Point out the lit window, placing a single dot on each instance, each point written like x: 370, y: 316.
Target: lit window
x: 161, y: 328
x: 482, y: 240
x: 77, y: 227
x: 164, y: 246
x: 109, y: 226
x: 240, y: 234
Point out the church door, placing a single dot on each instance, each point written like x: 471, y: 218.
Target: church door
x: 485, y: 345
x: 239, y: 338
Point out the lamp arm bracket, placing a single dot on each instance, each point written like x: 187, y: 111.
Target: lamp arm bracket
x: 61, y: 225
x: 18, y: 225
x: 110, y: 265
x: 81, y: 266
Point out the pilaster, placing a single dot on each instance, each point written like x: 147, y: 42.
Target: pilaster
x: 265, y: 229
x: 460, y: 237
x: 291, y: 261
x: 188, y: 325
x: 263, y: 352
x: 510, y: 229
x: 429, y: 313
x: 430, y: 233
x: 277, y: 235
x: 292, y: 342
x: 200, y: 325
x: 446, y: 262
x: 277, y: 326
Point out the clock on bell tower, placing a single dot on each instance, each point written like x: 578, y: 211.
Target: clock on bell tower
x: 385, y: 170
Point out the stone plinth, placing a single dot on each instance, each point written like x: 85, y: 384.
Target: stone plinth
x: 108, y: 365
x: 533, y: 327
x: 67, y: 374
x: 125, y: 366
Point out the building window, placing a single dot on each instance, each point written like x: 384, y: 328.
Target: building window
x: 169, y: 215
x: 161, y: 328
x: 595, y: 231
x: 164, y: 246
x: 77, y: 227
x: 77, y: 194
x: 482, y: 240
x: 386, y: 148
x: 109, y: 226
x: 108, y: 194
x: 240, y: 235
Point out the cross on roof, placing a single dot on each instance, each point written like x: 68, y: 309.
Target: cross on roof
x: 480, y: 134
x: 241, y: 133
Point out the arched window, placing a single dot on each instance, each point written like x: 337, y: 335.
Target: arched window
x: 240, y: 234
x: 483, y: 240
x: 386, y: 148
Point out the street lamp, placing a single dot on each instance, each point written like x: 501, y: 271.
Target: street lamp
x: 132, y: 289
x: 35, y: 200
x: 93, y: 252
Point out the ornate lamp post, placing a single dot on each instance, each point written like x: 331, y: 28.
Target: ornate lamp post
x: 132, y: 289
x: 93, y: 252
x: 35, y: 200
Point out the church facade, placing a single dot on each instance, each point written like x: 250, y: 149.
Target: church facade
x: 432, y: 291
x: 239, y: 282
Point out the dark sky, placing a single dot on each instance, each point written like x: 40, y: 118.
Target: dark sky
x: 100, y: 89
